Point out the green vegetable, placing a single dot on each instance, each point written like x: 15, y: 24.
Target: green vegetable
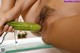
x: 25, y: 26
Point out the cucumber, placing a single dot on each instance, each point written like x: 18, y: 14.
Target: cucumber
x: 25, y: 26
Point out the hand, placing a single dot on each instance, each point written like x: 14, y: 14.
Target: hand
x: 5, y: 7
x: 12, y: 10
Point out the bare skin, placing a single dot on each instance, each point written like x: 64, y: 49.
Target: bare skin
x: 15, y: 8
x: 6, y: 5
x: 10, y: 10
x: 61, y: 25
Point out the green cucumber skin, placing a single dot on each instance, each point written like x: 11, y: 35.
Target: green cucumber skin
x: 25, y: 26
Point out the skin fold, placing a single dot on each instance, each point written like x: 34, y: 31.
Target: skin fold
x: 61, y: 27
x: 60, y: 21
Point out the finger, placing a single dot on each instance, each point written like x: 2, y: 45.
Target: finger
x: 15, y: 11
x: 5, y: 28
x: 6, y: 16
x: 10, y: 15
x: 7, y: 4
x: 10, y: 29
